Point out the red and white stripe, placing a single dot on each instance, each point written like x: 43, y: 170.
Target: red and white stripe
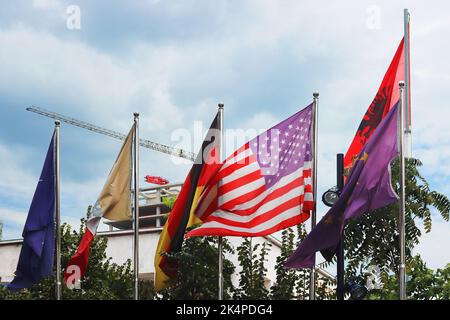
x: 238, y: 202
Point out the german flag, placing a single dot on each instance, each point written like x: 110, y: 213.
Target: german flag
x: 182, y: 216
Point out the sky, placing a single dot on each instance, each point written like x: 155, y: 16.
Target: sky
x: 174, y: 61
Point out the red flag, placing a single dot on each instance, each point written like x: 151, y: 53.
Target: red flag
x: 385, y: 99
x: 81, y: 256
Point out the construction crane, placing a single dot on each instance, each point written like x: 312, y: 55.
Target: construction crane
x: 142, y: 142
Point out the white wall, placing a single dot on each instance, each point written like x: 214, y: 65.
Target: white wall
x: 274, y: 252
x: 120, y: 248
x: 9, y: 255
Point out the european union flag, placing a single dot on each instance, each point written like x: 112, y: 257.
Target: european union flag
x: 368, y: 188
x: 37, y: 253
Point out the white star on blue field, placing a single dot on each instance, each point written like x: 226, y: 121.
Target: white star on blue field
x: 173, y: 61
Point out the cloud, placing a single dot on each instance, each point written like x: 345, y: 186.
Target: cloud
x: 16, y: 182
x: 14, y: 220
x: 11, y: 216
x: 96, y: 85
x: 433, y: 246
x: 173, y: 61
x: 45, y: 4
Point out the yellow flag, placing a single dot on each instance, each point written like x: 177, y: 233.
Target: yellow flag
x: 115, y: 198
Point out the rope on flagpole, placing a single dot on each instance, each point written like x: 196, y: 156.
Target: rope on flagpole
x: 402, y: 266
x: 57, y: 212
x: 312, y: 278
x: 220, y: 239
x: 136, y: 207
x: 407, y: 98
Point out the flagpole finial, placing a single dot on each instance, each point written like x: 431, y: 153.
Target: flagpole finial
x: 221, y: 105
x: 401, y: 84
x: 57, y: 123
x: 316, y: 94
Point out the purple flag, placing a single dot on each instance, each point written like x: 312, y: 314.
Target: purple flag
x: 38, y: 247
x: 368, y: 188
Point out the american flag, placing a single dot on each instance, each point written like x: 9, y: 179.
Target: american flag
x: 264, y: 186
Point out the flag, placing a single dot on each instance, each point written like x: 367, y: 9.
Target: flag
x: 113, y: 203
x: 263, y: 187
x: 385, y: 99
x: 181, y: 217
x: 38, y: 247
x: 368, y: 188
x: 156, y: 180
x: 408, y: 122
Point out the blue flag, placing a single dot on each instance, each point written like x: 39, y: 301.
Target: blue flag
x: 37, y: 253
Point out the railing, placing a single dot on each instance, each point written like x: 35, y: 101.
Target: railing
x: 154, y: 196
x: 151, y: 199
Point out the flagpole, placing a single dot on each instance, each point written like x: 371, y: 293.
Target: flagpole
x: 340, y: 253
x: 57, y: 212
x: 312, y: 279
x: 402, y: 266
x: 407, y: 111
x: 136, y: 206
x: 220, y: 239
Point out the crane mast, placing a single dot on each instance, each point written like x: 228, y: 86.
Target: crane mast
x: 114, y: 134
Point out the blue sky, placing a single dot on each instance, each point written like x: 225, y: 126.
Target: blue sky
x: 173, y: 61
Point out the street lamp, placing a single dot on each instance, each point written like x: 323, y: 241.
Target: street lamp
x: 356, y: 290
x: 330, y: 197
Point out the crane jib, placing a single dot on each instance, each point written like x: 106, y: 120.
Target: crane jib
x: 117, y: 135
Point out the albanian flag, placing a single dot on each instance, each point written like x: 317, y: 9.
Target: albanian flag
x: 182, y: 215
x: 385, y: 99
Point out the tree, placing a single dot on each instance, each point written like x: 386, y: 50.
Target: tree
x: 283, y: 288
x: 292, y: 283
x: 373, y: 238
x: 198, y: 270
x: 103, y: 279
x: 252, y: 260
x: 423, y: 283
x: 303, y: 276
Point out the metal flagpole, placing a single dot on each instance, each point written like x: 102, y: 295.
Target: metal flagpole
x: 57, y: 212
x: 407, y: 111
x: 340, y: 251
x: 136, y: 206
x: 220, y: 240
x: 402, y: 266
x: 312, y: 278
